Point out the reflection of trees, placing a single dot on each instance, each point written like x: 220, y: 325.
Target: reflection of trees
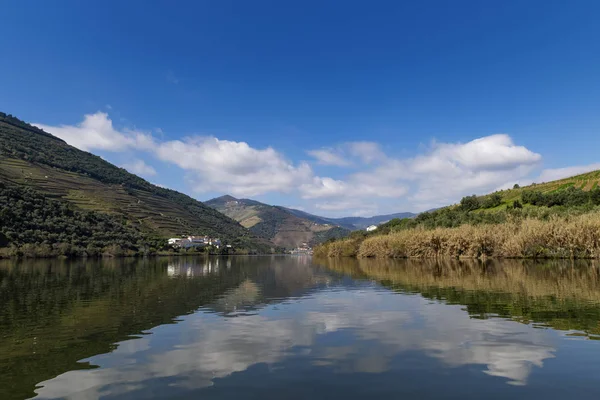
x: 378, y: 327
x: 563, y: 294
x: 81, y: 308
x: 54, y: 313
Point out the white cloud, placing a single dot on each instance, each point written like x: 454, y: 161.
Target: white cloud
x: 233, y: 167
x: 486, y: 153
x: 448, y: 171
x: 382, y: 327
x: 355, y: 187
x: 367, y: 152
x: 329, y: 157
x: 438, y: 176
x: 139, y: 167
x: 96, y: 132
x: 348, y: 153
x: 548, y: 175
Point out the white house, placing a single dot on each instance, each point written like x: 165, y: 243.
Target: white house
x: 371, y: 228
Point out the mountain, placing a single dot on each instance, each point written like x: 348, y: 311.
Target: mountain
x: 277, y: 224
x: 64, y: 176
x: 352, y: 223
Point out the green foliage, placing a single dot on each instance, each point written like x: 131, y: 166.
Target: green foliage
x: 571, y: 197
x: 330, y: 234
x: 516, y: 186
x: 36, y: 226
x: 3, y: 240
x: 470, y: 203
x: 491, y: 201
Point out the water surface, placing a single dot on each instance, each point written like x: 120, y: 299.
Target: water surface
x: 297, y: 327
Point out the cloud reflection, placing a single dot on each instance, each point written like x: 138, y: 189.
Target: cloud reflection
x: 373, y: 328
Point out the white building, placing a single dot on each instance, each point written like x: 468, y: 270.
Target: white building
x: 194, y: 241
x: 371, y: 228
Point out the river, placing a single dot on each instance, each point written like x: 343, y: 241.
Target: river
x: 295, y: 327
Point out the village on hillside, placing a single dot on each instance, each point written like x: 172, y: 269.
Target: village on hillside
x: 187, y: 242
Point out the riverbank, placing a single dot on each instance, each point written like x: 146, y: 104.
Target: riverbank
x: 558, y: 237
x: 35, y: 252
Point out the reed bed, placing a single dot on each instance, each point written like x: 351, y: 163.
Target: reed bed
x: 558, y: 237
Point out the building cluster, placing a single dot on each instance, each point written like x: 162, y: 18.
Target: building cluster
x: 194, y: 241
x: 303, y: 249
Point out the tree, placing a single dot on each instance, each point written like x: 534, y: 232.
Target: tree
x: 469, y: 203
x: 3, y: 240
x: 493, y: 200
x: 516, y: 186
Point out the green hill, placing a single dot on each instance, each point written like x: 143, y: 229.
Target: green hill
x: 277, y: 224
x: 559, y: 219
x: 57, y: 172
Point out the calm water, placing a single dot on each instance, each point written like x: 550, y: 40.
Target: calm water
x: 296, y: 327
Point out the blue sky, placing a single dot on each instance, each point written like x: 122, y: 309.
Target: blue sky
x: 338, y: 108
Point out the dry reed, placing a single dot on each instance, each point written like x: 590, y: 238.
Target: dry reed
x: 559, y: 237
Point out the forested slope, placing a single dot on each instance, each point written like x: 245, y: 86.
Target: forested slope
x: 31, y: 158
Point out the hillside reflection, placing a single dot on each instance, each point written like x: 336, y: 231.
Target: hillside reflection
x: 183, y: 326
x: 562, y: 294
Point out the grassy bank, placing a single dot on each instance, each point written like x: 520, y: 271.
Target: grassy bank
x: 558, y: 237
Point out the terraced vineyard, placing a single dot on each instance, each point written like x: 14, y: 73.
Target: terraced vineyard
x: 32, y: 158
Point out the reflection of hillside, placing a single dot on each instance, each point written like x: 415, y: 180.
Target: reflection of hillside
x: 562, y: 294
x: 268, y: 280
x: 54, y: 313
x: 356, y: 331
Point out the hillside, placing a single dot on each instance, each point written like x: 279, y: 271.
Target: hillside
x: 276, y: 224
x: 33, y: 159
x: 559, y: 219
x: 352, y: 223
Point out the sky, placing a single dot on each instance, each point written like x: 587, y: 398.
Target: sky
x: 337, y: 108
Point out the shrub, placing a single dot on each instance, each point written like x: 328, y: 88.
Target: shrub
x: 469, y: 203
x: 493, y: 200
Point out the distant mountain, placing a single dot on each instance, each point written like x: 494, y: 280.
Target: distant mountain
x: 352, y: 223
x: 280, y: 225
x: 363, y: 222
x: 64, y: 177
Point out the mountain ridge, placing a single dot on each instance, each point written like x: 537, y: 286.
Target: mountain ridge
x: 276, y: 223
